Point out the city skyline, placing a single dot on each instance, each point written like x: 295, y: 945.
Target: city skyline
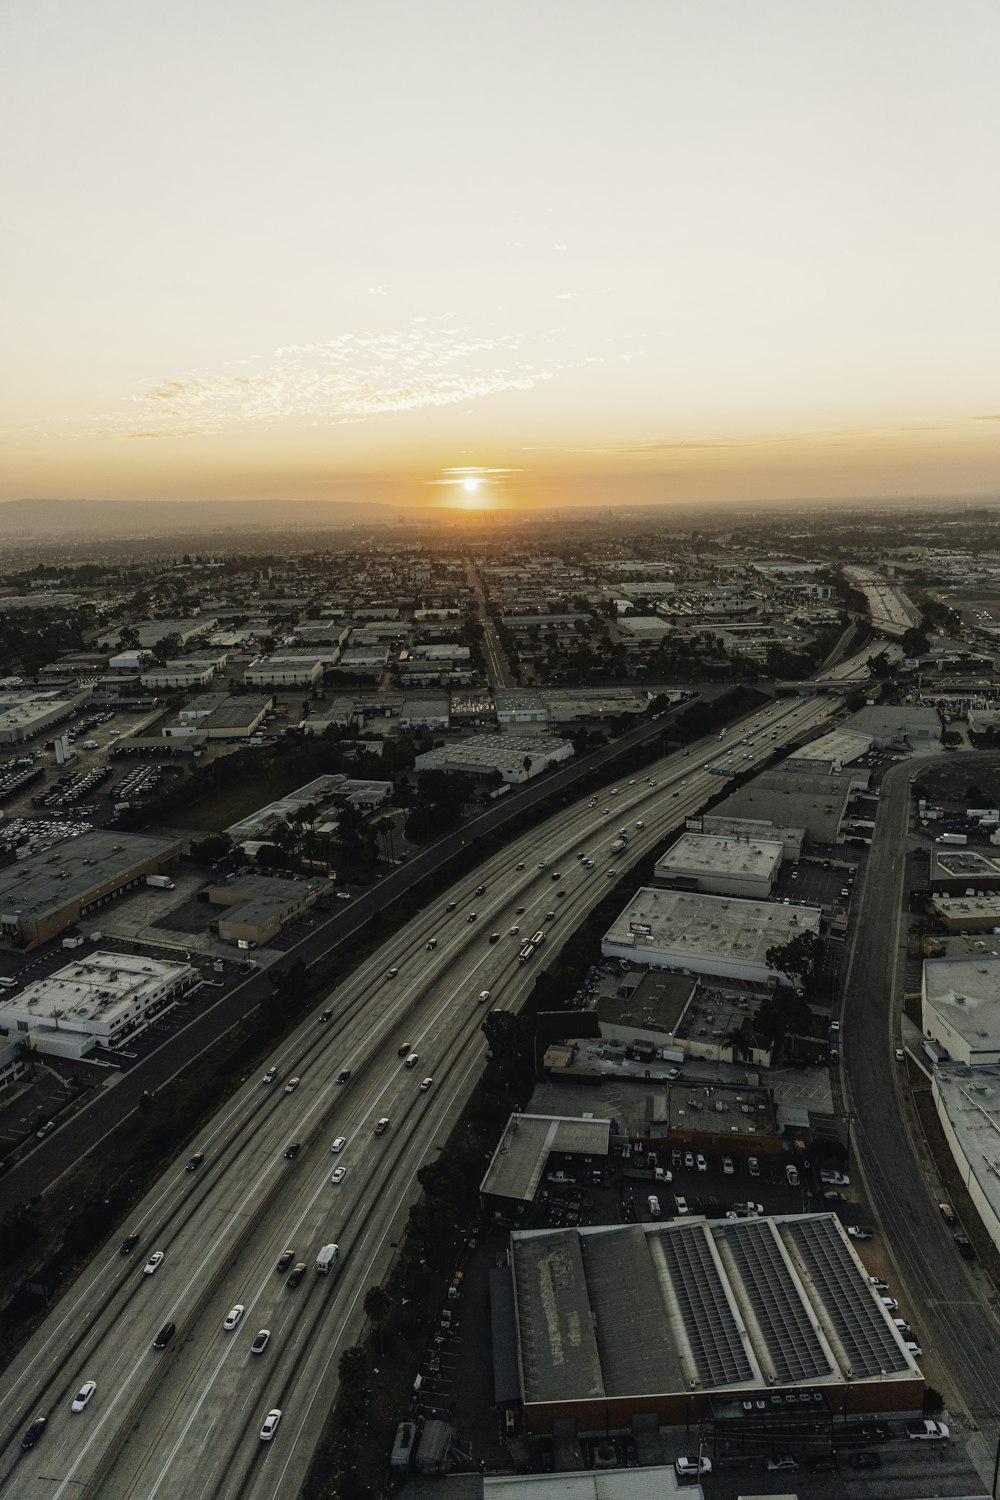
x: 531, y: 256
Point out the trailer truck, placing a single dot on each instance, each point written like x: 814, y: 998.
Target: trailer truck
x: 160, y: 882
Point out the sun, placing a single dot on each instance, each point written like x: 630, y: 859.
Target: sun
x: 470, y: 484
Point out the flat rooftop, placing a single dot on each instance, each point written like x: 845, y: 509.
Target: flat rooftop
x: 720, y: 854
x: 526, y: 1145
x: 698, y: 1304
x: 93, y: 988
x: 66, y: 872
x: 839, y: 747
x: 970, y: 1098
x: 956, y: 864
x: 719, y: 926
x: 656, y: 1003
x: 966, y: 992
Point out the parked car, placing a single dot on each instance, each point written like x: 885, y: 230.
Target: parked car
x: 865, y: 1460
x: 691, y: 1468
x: 780, y: 1461
x: 857, y: 1233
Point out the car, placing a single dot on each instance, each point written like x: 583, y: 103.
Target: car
x: 153, y: 1263
x: 83, y: 1395
x: 45, y: 1130
x: 129, y: 1243
x: 494, y: 937
x: 284, y: 1260
x: 233, y: 1316
x: 612, y: 872
x: 431, y: 944
x: 561, y: 895
x: 727, y: 1166
x: 878, y: 1283
x: 835, y: 1026
x: 835, y: 1196
x: 900, y: 1055
x: 927, y: 1431
x: 471, y: 917
x: 865, y: 1460
x: 451, y: 906
x: 296, y: 1274
x: 890, y: 1304
x: 690, y: 1468
x: 513, y: 931
x: 556, y: 875
x: 343, y: 895
x: 519, y: 866
x: 270, y: 1424
x: 292, y: 1150
x: 792, y: 1173
x: 339, y: 1143
x: 681, y: 1204
x: 292, y: 1084
x: 381, y: 1126
x: 326, y: 1014
x: 541, y: 864
x: 902, y: 1326
x: 965, y: 1249
x: 748, y: 1210
x: 857, y: 1233
x: 164, y: 1336
x: 391, y: 973
x: 195, y: 1162
x: 753, y: 1166
x: 261, y: 1342
x: 34, y: 1432
x: 689, y: 1160
x: 425, y: 1084
x: 343, y: 1075
x: 270, y: 1075
x: 480, y: 890
x: 339, y: 1173
x: 484, y: 995
x: 780, y: 1461
x: 519, y: 912
x: 835, y: 1179
x: 701, y: 1163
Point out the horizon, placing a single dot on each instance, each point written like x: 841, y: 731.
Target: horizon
x: 543, y: 259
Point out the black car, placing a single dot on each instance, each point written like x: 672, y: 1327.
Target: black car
x: 494, y: 937
x: 343, y: 1075
x: 284, y: 1260
x: 292, y: 1149
x: 480, y: 890
x: 129, y: 1243
x: 34, y: 1432
x: 164, y: 1336
x: 875, y: 1432
x: 195, y: 1162
x: 298, y: 1271
x: 866, y: 1460
x: 326, y: 1015
x: 965, y: 1249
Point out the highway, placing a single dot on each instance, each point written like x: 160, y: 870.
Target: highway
x: 185, y: 1421
x: 951, y: 1299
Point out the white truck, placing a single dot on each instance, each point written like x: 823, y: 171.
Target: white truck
x: 160, y: 882
x: 926, y: 1431
x: 326, y: 1259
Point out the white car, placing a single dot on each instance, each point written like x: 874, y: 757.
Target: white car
x: 727, y: 1166
x: 261, y: 1342
x: 153, y: 1263
x: 233, y: 1316
x: 857, y: 1233
x: 691, y: 1468
x: 338, y: 1176
x: 83, y: 1395
x: 339, y: 1143
x: 270, y: 1424
x: 292, y: 1085
x: 701, y: 1163
x: 681, y: 1204
x: 890, y: 1304
x: 484, y: 995
x: 270, y: 1075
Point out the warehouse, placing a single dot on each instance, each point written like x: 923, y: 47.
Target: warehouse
x: 960, y: 1008
x: 720, y: 865
x: 290, y: 669
x: 41, y: 895
x: 517, y: 758
x: 259, y: 907
x: 661, y: 1318
x: 706, y: 934
x: 517, y: 1167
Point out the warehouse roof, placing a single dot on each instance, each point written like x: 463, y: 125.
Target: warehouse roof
x: 525, y: 1146
x: 66, y: 873
x: 723, y: 926
x: 718, y: 854
x: 966, y: 993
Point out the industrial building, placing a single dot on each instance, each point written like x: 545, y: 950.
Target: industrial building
x: 260, y: 906
x: 41, y: 895
x: 218, y: 716
x: 810, y: 800
x: 517, y: 1167
x: 316, y: 795
x: 289, y: 669
x: 721, y: 865
x: 902, y: 726
x: 960, y: 1008
x: 791, y: 838
x: 663, y: 1318
x: 706, y: 934
x: 100, y: 999
x: 517, y: 758
x: 26, y: 712
x: 967, y: 913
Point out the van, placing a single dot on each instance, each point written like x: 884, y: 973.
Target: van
x: 164, y: 1336
x: 412, y: 1060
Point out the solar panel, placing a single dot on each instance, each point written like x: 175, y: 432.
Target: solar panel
x: 792, y: 1342
x: 713, y: 1334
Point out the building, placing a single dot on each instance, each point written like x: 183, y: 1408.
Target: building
x: 663, y: 1318
x: 43, y: 894
x: 517, y: 708
x: 179, y: 673
x: 259, y: 907
x: 960, y: 1008
x: 791, y: 839
x: 517, y: 758
x: 99, y: 999
x: 25, y: 713
x: 906, y: 725
x: 518, y: 1166
x: 289, y: 669
x: 967, y: 913
x: 817, y: 803
x: 721, y: 865
x: 706, y: 934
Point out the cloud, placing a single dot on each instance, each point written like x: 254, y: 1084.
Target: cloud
x: 351, y: 378
x: 819, y: 438
x: 471, y: 471
x: 990, y: 417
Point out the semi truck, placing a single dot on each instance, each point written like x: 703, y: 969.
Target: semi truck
x: 326, y: 1258
x: 952, y: 838
x: 160, y: 882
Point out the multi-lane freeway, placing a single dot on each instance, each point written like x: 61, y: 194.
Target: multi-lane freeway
x: 186, y: 1420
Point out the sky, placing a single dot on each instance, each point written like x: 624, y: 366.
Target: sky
x: 529, y: 253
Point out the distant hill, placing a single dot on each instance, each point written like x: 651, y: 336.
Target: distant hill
x: 129, y: 518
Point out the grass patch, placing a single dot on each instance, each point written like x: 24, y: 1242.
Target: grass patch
x: 218, y: 808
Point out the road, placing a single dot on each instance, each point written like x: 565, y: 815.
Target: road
x: 891, y: 609
x: 497, y: 666
x: 185, y: 1421
x: 956, y: 1316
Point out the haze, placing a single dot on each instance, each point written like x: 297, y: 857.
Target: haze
x: 509, y: 254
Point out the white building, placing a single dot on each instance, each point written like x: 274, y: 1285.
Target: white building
x: 706, y: 934
x: 516, y: 757
x: 291, y: 669
x: 720, y: 865
x: 960, y: 1008
x: 102, y: 998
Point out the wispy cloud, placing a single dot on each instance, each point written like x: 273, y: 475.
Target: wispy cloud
x: 351, y: 378
x: 820, y: 438
x: 989, y: 417
x: 471, y: 471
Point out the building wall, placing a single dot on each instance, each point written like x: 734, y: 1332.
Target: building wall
x: 983, y: 1206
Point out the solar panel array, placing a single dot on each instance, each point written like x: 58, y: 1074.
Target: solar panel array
x: 712, y: 1331
x: 868, y: 1342
x: 792, y: 1342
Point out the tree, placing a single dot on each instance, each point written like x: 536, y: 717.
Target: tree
x: 377, y: 1305
x: 509, y: 1040
x: 794, y: 958
x: 128, y: 638
x: 781, y: 1012
x: 915, y: 642
x: 353, y: 1368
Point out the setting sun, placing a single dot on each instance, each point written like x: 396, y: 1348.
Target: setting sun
x: 470, y: 485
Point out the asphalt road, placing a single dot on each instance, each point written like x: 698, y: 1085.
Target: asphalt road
x: 185, y: 1421
x: 951, y: 1300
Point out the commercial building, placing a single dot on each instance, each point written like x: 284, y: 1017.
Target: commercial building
x: 217, y: 716
x: 721, y: 865
x: 43, y: 894
x: 817, y: 803
x: 706, y: 934
x: 101, y: 998
x: 290, y: 669
x: 977, y: 913
x: 906, y: 725
x: 960, y: 1008
x: 27, y: 712
x: 518, y: 1166
x: 259, y: 907
x: 517, y: 708
x: 314, y: 797
x: 791, y: 838
x: 663, y: 1318
x: 517, y: 758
